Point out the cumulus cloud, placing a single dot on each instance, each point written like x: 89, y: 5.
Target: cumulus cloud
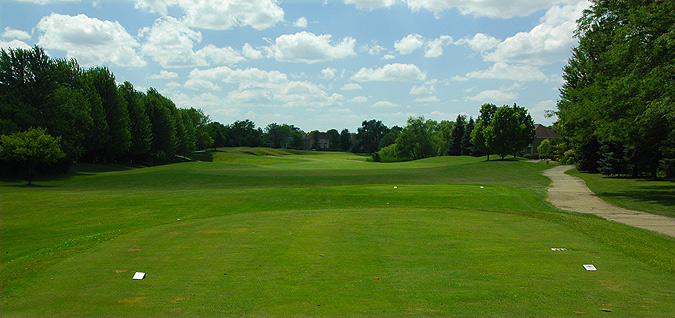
x: 250, y: 52
x: 422, y: 89
x: 371, y: 4
x: 300, y: 22
x: 434, y: 48
x: 413, y: 42
x: 484, y: 8
x: 15, y: 34
x: 504, y: 71
x: 171, y: 43
x: 328, y: 73
x: 548, y: 42
x: 89, y: 40
x: 359, y: 99
x: 351, y: 87
x: 261, y: 88
x: 306, y: 47
x: 220, y: 15
x: 385, y: 104
x: 429, y: 99
x: 409, y: 44
x: 495, y: 95
x: 480, y: 42
x: 164, y: 74
x: 391, y: 73
x: 14, y: 44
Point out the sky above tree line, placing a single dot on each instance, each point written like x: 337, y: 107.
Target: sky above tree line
x: 315, y: 64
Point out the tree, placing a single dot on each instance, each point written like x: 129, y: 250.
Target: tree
x: 467, y: 145
x: 619, y: 86
x: 480, y: 130
x: 370, y: 134
x: 278, y: 136
x: 456, y: 136
x: 244, y: 134
x: 116, y: 113
x: 334, y: 142
x: 415, y: 140
x: 545, y: 149
x: 345, y: 140
x: 140, y: 127
x: 32, y: 147
x: 164, y: 142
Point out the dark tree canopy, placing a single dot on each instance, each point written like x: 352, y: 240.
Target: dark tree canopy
x: 618, y: 100
x: 31, y: 148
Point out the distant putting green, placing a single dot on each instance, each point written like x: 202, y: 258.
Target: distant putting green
x: 259, y: 232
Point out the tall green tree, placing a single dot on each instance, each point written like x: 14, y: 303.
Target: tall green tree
x: 334, y: 141
x: 467, y: 145
x: 370, y: 134
x: 160, y: 111
x: 619, y: 85
x: 345, y: 140
x: 456, y: 136
x: 481, y: 129
x: 140, y: 127
x: 415, y: 141
x: 32, y: 147
x: 116, y: 113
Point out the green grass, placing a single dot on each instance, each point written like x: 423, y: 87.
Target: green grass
x: 260, y: 232
x: 657, y: 197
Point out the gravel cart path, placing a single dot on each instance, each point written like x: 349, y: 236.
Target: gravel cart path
x: 571, y: 194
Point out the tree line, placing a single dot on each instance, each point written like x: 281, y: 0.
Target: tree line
x: 505, y: 130
x: 83, y: 115
x: 617, y: 104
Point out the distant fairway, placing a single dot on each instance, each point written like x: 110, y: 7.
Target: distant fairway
x: 261, y: 232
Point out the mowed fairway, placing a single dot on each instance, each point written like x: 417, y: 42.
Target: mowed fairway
x: 260, y: 232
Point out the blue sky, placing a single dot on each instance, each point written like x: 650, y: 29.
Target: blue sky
x: 315, y: 64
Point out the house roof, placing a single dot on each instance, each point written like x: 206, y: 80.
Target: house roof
x: 545, y: 132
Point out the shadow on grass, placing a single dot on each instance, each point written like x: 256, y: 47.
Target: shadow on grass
x: 662, y: 194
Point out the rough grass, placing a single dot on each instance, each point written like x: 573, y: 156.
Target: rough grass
x: 657, y: 197
x: 259, y: 232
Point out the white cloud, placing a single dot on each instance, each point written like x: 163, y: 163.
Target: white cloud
x: 371, y: 4
x: 434, y: 48
x: 484, y: 8
x: 385, y: 104
x: 549, y: 42
x: 300, y: 22
x: 328, y: 73
x: 409, y: 44
x: 429, y: 99
x: 500, y: 70
x: 220, y: 15
x: 359, y: 99
x: 388, y: 57
x: 373, y: 48
x: 256, y: 87
x: 15, y: 34
x: 309, y: 48
x: 458, y: 78
x: 164, y: 74
x: 480, y: 42
x: 496, y: 95
x: 351, y: 87
x: 89, y: 40
x: 422, y: 89
x: 14, y: 44
x: 250, y: 52
x: 391, y: 73
x: 224, y: 55
x: 171, y: 42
